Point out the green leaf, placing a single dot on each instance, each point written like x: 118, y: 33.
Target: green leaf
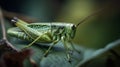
x: 56, y: 57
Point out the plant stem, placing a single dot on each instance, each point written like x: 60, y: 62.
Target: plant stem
x: 2, y: 25
x: 4, y: 39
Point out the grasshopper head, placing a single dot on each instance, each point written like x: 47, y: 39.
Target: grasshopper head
x: 72, y: 30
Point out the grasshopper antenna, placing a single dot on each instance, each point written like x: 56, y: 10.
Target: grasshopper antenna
x: 87, y: 17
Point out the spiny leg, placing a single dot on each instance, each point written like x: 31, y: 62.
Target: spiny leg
x: 47, y: 51
x: 74, y: 47
x: 57, y: 39
x: 68, y: 51
x: 32, y: 42
x: 54, y: 43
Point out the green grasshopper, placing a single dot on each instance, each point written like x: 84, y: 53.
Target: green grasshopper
x: 46, y: 33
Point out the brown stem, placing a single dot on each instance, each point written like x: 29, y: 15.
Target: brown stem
x: 4, y: 39
x: 2, y: 25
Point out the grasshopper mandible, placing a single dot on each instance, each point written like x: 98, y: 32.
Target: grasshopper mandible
x: 46, y: 32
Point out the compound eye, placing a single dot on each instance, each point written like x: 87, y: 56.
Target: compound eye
x: 73, y: 27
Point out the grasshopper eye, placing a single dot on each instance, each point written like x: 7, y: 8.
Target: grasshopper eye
x: 73, y: 27
x: 73, y: 30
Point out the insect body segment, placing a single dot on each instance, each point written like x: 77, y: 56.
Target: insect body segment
x: 31, y: 33
x: 16, y: 32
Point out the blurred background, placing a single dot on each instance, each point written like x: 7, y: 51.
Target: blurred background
x: 96, y: 32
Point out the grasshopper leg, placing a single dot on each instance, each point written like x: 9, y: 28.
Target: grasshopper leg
x: 32, y: 42
x: 68, y: 51
x: 74, y: 47
x: 47, y: 51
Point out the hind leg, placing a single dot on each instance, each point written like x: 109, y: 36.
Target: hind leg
x: 32, y: 42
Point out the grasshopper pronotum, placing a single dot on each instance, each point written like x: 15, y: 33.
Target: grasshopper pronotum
x: 46, y: 32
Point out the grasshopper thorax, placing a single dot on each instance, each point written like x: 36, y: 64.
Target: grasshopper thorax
x: 65, y: 29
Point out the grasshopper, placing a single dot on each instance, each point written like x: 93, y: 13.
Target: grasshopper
x: 46, y: 33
